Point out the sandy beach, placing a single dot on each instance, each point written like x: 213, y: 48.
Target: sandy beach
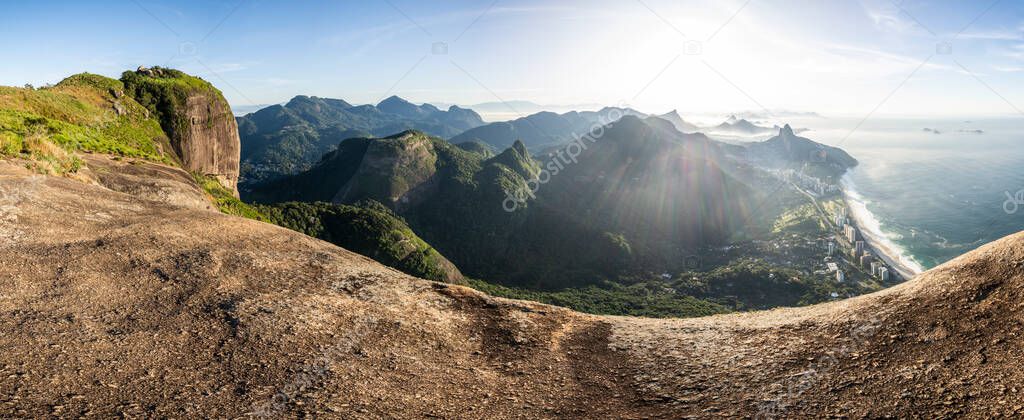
x: 878, y: 244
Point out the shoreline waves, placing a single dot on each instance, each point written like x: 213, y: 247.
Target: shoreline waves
x: 875, y: 237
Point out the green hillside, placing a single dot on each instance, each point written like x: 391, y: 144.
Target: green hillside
x: 369, y: 229
x: 281, y: 140
x: 580, y: 228
x: 83, y: 113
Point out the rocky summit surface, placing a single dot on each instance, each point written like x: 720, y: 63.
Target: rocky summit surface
x: 116, y: 301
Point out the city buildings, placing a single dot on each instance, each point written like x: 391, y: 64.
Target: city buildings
x: 851, y: 233
x: 866, y: 259
x: 811, y: 184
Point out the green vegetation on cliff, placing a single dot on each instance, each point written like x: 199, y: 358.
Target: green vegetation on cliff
x: 85, y: 112
x: 226, y: 201
x: 165, y: 93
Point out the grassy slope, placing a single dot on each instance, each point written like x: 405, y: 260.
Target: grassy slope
x: 226, y: 201
x: 77, y: 115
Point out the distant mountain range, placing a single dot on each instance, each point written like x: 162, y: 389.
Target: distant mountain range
x: 740, y: 127
x: 778, y: 113
x: 680, y: 124
x: 284, y: 139
x: 544, y: 129
x: 632, y: 195
x: 244, y: 109
x: 508, y: 110
x: 733, y: 126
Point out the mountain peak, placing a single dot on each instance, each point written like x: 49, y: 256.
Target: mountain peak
x: 394, y: 99
x: 399, y: 106
x: 786, y: 131
x: 521, y: 148
x: 299, y: 99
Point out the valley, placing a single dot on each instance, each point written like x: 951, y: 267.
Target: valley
x: 761, y: 250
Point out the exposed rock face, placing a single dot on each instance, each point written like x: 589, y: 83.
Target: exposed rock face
x: 146, y: 180
x: 113, y: 305
x: 392, y: 170
x: 211, y: 145
x: 196, y: 117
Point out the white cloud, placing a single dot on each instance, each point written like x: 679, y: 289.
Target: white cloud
x: 889, y: 17
x: 1008, y: 69
x: 995, y: 35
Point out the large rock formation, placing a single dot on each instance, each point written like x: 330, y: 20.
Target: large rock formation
x: 196, y: 117
x: 392, y: 169
x: 116, y: 305
x: 212, y: 145
x: 789, y: 147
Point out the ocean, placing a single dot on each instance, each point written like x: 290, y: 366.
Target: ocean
x: 931, y: 189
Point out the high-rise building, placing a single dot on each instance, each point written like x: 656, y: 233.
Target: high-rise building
x: 865, y: 260
x: 883, y: 273
x: 840, y: 277
x: 858, y: 248
x: 831, y: 248
x: 874, y: 267
x: 851, y: 234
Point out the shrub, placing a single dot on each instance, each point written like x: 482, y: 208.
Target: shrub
x: 10, y: 144
x: 226, y: 201
x: 50, y: 158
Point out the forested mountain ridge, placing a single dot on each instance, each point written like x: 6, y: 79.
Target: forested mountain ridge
x: 285, y: 139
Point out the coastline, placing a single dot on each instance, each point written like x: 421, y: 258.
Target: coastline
x: 888, y: 255
x: 860, y: 217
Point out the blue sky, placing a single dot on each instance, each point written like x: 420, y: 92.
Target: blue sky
x: 832, y: 57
